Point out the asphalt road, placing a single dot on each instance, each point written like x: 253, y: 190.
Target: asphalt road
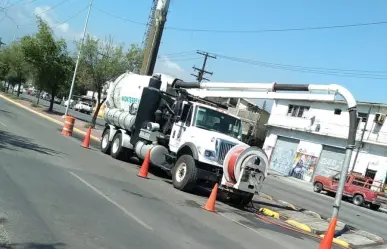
x: 56, y: 194
x: 62, y: 109
x: 359, y: 217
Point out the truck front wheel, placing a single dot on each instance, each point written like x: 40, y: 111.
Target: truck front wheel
x: 241, y: 200
x: 184, y: 173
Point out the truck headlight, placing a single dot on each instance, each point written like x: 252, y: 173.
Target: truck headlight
x: 208, y: 154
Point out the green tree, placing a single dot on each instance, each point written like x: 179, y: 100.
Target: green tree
x: 18, y: 68
x: 4, y: 66
x: 49, y: 58
x: 101, y: 61
x: 134, y: 57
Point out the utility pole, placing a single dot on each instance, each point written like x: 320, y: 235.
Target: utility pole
x: 361, y: 140
x: 78, y: 58
x: 202, y: 71
x: 154, y: 37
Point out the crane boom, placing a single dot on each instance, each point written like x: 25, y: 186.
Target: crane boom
x: 270, y: 91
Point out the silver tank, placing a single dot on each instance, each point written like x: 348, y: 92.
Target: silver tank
x: 124, y: 95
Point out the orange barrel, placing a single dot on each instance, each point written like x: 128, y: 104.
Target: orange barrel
x: 68, y: 126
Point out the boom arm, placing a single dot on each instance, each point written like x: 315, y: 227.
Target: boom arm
x: 269, y: 91
x: 266, y: 91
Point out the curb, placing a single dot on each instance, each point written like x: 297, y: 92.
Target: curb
x: 339, y: 242
x: 299, y: 225
x: 269, y: 212
x: 46, y: 117
x: 302, y: 226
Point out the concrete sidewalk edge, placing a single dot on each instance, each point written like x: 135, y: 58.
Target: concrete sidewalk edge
x: 301, y: 225
x: 46, y: 117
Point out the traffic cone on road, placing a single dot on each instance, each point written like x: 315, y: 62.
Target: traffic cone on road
x: 326, y: 242
x: 145, y: 166
x: 86, y: 141
x: 210, y: 205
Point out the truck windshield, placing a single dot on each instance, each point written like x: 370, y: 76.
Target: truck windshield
x: 213, y: 120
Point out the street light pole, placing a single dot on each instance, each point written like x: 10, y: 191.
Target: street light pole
x: 78, y: 58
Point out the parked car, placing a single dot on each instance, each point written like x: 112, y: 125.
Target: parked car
x: 360, y: 189
x: 83, y: 107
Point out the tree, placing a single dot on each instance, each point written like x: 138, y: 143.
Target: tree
x: 4, y: 66
x: 18, y: 68
x: 49, y: 58
x: 101, y: 61
x: 134, y: 57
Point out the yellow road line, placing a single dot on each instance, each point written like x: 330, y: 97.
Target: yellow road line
x: 46, y: 117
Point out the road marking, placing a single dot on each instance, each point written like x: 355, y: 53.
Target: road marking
x: 256, y: 231
x: 113, y: 202
x: 3, y: 124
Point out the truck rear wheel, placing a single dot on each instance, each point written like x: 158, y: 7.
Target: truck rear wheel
x: 116, y: 150
x: 317, y: 187
x: 374, y: 207
x: 184, y: 173
x: 358, y: 200
x: 105, y: 143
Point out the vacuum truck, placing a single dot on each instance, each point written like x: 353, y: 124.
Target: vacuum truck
x: 195, y: 140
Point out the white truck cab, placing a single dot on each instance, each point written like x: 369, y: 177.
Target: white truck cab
x: 211, y: 130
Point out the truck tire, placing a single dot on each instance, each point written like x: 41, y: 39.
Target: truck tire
x: 374, y: 207
x: 105, y: 143
x: 241, y: 200
x: 116, y: 150
x: 184, y: 173
x: 358, y: 200
x: 317, y: 187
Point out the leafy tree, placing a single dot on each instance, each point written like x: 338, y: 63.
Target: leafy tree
x: 101, y: 61
x: 134, y: 57
x: 4, y: 66
x: 18, y: 70
x: 49, y: 58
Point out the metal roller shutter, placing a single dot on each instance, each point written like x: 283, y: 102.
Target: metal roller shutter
x: 330, y: 161
x: 283, y: 155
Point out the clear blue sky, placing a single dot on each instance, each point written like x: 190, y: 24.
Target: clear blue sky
x: 359, y: 48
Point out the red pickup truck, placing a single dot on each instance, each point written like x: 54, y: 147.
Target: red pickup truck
x: 362, y: 190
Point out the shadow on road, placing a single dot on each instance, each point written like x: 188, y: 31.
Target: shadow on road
x: 11, y: 142
x: 32, y: 246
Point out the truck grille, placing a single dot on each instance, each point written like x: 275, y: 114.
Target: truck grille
x: 222, y: 148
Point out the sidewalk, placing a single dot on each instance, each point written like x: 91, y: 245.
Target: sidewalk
x: 291, y: 180
x: 56, y: 117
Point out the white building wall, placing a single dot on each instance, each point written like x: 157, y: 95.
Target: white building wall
x: 333, y: 132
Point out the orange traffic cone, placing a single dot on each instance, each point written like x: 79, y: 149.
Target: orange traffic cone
x: 326, y: 242
x: 145, y: 166
x: 210, y: 205
x: 86, y: 141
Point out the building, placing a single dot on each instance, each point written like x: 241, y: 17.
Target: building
x: 253, y: 118
x: 307, y: 138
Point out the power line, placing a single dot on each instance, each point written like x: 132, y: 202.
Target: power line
x: 364, y: 74
x: 248, y: 31
x: 323, y: 71
x: 179, y: 59
x: 278, y: 30
x: 44, y: 11
x: 73, y: 16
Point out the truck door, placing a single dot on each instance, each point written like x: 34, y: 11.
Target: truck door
x: 335, y: 182
x: 178, y: 135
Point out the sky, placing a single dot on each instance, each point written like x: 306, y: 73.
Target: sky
x: 361, y: 48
